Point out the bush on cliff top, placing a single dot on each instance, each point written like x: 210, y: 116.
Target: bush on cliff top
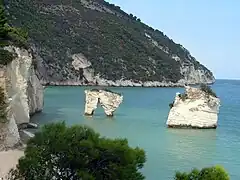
x: 207, y: 89
x: 209, y: 173
x: 78, y: 153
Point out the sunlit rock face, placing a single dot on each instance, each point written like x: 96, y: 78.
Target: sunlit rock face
x: 24, y: 95
x: 110, y: 101
x: 195, y: 109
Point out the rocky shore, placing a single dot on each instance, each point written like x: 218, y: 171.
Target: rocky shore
x: 123, y: 83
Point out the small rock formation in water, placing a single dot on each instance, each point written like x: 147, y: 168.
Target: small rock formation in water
x: 196, y: 108
x: 108, y: 100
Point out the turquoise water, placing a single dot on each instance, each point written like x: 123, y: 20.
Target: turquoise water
x: 141, y: 119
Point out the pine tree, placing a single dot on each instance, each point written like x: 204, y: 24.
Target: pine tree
x: 3, y: 23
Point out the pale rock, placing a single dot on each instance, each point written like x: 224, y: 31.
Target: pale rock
x: 28, y: 126
x: 28, y: 134
x: 198, y: 110
x: 35, y: 93
x: 110, y: 101
x: 80, y: 61
x: 15, y: 79
x: 88, y: 74
x: 91, y: 101
x: 17, y: 75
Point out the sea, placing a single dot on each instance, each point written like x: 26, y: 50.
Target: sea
x: 141, y: 118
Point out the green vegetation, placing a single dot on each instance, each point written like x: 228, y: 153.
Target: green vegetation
x: 5, y: 57
x: 78, y: 153
x: 210, y: 173
x: 207, y: 89
x: 171, y: 105
x: 3, y: 106
x: 114, y: 41
x: 183, y: 96
x: 9, y: 36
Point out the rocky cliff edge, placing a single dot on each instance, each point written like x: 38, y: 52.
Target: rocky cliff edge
x: 24, y: 95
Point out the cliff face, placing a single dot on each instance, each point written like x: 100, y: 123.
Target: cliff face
x: 195, y: 109
x: 24, y: 94
x: 92, y: 42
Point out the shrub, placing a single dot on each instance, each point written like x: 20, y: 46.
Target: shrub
x: 209, y: 173
x: 5, y: 57
x: 3, y: 106
x: 207, y: 89
x: 171, y: 105
x: 60, y: 152
x: 9, y: 34
x: 183, y: 96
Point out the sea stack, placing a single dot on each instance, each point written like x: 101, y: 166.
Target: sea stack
x: 195, y: 108
x: 109, y: 100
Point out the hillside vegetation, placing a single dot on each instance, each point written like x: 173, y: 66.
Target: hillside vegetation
x: 9, y: 36
x: 118, y: 45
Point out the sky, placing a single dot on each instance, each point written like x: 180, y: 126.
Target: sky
x: 209, y: 29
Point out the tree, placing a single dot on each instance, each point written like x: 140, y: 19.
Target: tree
x: 60, y: 152
x: 209, y: 173
x: 3, y: 22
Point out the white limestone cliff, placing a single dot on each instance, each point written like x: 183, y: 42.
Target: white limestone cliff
x: 24, y: 95
x: 195, y: 108
x: 110, y: 101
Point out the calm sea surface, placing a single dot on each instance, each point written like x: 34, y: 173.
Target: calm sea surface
x: 141, y: 118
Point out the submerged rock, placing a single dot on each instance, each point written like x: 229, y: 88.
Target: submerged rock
x: 27, y: 126
x: 195, y: 108
x: 109, y: 100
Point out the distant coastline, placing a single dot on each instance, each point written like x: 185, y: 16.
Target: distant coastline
x: 148, y: 85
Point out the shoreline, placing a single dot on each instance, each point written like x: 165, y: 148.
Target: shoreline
x: 155, y: 85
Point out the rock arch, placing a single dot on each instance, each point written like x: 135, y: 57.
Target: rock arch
x: 109, y: 101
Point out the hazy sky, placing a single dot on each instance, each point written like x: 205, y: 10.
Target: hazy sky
x: 209, y: 29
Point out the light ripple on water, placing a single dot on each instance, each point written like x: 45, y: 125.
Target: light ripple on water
x: 141, y: 119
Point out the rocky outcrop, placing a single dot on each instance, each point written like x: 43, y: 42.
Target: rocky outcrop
x: 24, y: 94
x: 88, y: 77
x: 195, y: 108
x: 91, y: 102
x: 35, y: 93
x: 110, y: 101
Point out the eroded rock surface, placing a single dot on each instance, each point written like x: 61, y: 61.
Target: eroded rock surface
x: 24, y: 95
x: 195, y: 108
x: 110, y: 101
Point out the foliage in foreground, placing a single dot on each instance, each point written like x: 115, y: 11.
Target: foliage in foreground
x: 67, y: 153
x: 209, y: 173
x: 78, y: 153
